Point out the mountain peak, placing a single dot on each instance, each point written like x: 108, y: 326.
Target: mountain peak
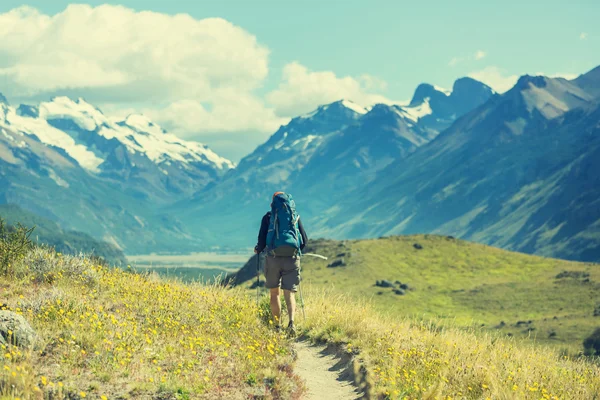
x: 424, y: 91
x: 526, y: 81
x: 83, y: 114
x: 466, y: 94
x: 336, y: 108
x: 3, y: 99
x: 467, y: 84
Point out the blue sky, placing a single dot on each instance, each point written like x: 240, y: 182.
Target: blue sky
x: 371, y: 50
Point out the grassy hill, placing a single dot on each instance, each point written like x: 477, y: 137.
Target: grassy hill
x: 69, y: 242
x: 111, y: 334
x: 469, y: 284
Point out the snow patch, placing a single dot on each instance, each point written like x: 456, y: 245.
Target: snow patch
x: 57, y: 179
x: 354, y: 107
x: 9, y: 137
x: 49, y: 135
x: 83, y: 114
x: 141, y: 123
x: 416, y: 112
x: 441, y: 89
x: 346, y: 103
x: 304, y: 142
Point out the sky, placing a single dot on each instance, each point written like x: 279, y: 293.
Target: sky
x: 229, y: 73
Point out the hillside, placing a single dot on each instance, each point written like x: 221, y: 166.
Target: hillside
x: 48, y: 232
x: 107, y: 333
x: 553, y: 301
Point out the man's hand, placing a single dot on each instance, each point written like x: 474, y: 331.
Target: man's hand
x: 255, y: 249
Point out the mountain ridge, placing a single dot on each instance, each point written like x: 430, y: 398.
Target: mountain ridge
x: 466, y: 181
x: 319, y: 157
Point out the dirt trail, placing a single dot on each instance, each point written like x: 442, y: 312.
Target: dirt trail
x: 324, y: 373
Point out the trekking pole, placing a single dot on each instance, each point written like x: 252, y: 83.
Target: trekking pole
x: 257, y: 278
x: 302, y: 299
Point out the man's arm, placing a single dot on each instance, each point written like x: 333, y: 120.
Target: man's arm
x: 303, y: 234
x: 262, y: 234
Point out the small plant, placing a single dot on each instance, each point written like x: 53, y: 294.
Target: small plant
x: 14, y: 244
x: 251, y: 380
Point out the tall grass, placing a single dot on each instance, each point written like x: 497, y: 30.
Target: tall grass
x: 405, y: 359
x: 107, y: 333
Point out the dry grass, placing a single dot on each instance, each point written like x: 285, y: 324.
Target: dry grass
x: 110, y: 334
x: 107, y: 333
x: 415, y: 360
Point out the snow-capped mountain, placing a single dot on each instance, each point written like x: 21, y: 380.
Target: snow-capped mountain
x: 134, y: 151
x: 320, y: 157
x: 519, y: 172
x: 67, y: 161
x: 435, y: 108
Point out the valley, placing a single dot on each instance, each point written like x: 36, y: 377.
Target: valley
x: 194, y: 267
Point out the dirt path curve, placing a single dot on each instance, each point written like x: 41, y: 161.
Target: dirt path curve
x: 324, y: 373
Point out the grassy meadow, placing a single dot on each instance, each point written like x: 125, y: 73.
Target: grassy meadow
x: 108, y: 333
x: 465, y: 284
x: 404, y: 358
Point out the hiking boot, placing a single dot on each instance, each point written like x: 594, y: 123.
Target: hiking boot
x: 291, y: 330
x: 277, y: 328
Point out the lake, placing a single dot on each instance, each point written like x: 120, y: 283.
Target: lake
x: 204, y: 267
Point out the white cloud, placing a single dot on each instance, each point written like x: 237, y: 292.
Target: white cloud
x: 479, y: 55
x: 455, y: 61
x: 115, y: 47
x: 302, y: 90
x: 111, y: 55
x: 583, y: 35
x: 496, y: 78
x: 229, y: 112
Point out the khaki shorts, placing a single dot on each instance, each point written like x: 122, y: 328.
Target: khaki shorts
x: 282, y: 272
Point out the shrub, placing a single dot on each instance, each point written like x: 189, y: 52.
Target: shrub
x: 591, y: 344
x: 14, y: 244
x: 44, y: 265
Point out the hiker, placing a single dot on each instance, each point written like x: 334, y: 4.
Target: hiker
x: 282, y: 238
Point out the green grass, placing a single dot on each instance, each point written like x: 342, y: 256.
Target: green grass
x: 110, y: 334
x: 466, y: 283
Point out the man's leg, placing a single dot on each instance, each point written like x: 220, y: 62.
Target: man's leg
x: 276, y: 305
x: 290, y: 301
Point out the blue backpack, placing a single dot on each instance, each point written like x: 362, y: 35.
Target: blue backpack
x: 283, y: 237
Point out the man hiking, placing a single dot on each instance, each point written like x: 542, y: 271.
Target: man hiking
x: 282, y: 238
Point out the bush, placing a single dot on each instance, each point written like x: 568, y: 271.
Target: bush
x: 44, y: 265
x: 14, y: 244
x: 591, y: 344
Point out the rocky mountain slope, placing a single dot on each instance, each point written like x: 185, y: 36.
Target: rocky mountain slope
x: 517, y: 172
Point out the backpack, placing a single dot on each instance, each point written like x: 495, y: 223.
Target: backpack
x: 283, y: 236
